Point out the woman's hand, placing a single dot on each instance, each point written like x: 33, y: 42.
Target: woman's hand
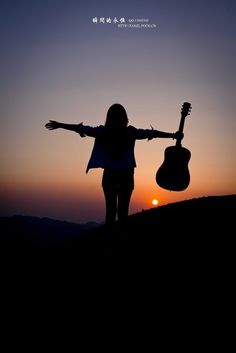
x: 178, y: 135
x: 52, y: 125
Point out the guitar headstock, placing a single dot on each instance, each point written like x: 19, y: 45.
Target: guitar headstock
x: 186, y: 109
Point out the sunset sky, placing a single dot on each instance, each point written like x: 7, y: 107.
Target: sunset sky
x: 57, y: 64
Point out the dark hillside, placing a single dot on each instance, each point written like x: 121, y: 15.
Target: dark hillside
x: 172, y: 244
x: 183, y: 237
x: 204, y: 219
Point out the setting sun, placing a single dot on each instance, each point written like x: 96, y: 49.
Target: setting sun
x: 155, y: 202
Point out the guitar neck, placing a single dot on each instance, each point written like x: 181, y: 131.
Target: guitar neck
x: 181, y: 129
x: 184, y: 112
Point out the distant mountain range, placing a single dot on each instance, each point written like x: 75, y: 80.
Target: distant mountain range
x: 41, y: 232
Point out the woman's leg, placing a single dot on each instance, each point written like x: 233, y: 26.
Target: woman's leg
x: 110, y: 193
x: 126, y: 186
x: 111, y: 205
x: 124, y: 197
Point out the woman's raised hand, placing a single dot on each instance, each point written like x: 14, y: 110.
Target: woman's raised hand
x: 52, y: 125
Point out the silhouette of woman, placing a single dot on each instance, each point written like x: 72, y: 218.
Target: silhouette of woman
x: 114, y: 152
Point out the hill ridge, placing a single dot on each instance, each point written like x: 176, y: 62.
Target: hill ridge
x: 91, y: 224
x: 188, y: 238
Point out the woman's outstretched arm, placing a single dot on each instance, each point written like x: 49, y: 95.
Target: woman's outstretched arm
x: 149, y: 134
x: 162, y: 134
x: 83, y: 130
x: 53, y: 125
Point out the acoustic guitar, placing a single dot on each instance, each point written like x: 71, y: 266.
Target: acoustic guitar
x: 173, y: 174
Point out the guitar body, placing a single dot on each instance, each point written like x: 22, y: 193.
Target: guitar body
x: 173, y: 174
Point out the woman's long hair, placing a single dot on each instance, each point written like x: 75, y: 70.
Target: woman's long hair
x: 115, y: 136
x: 116, y: 117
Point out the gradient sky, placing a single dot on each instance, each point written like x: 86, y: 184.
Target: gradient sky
x: 57, y: 64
